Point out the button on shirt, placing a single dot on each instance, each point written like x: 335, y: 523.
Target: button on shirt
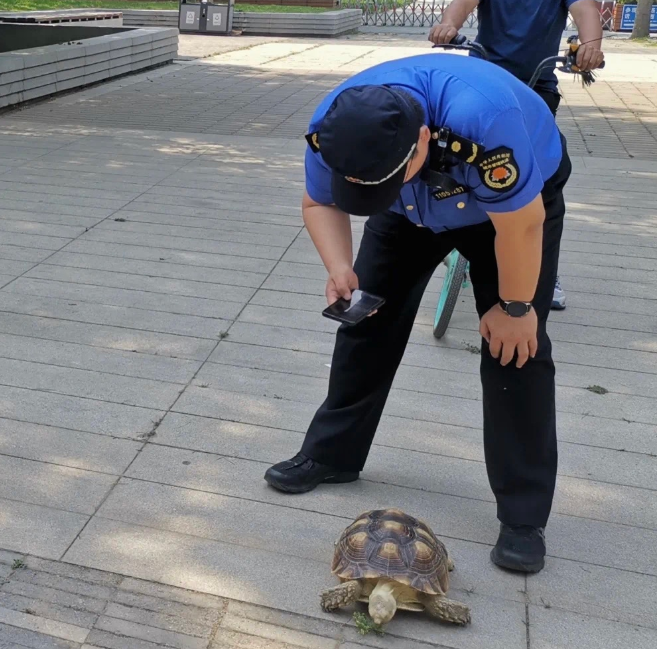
x: 476, y: 100
x: 519, y: 34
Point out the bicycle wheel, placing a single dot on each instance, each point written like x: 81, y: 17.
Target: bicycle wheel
x: 456, y: 267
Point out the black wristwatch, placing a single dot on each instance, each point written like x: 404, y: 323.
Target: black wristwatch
x: 516, y: 309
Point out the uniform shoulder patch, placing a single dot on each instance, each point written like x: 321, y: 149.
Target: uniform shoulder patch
x: 313, y: 141
x: 498, y: 169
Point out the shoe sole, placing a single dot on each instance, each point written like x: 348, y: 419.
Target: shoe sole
x: 557, y: 306
x: 517, y: 566
x: 338, y: 478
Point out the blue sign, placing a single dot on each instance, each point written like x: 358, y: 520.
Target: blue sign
x: 629, y: 16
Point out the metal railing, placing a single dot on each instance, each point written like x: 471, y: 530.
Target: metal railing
x: 425, y: 13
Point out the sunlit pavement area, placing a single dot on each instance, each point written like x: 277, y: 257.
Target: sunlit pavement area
x: 161, y: 344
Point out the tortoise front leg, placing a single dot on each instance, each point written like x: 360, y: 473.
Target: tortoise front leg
x: 342, y: 595
x: 446, y: 610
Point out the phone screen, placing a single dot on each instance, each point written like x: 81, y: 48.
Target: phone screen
x: 353, y: 311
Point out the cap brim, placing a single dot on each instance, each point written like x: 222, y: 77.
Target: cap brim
x: 365, y: 200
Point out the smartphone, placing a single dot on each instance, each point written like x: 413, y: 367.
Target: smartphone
x: 353, y: 311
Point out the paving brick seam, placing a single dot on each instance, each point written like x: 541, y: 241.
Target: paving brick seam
x: 170, y: 261
x: 180, y: 249
x: 77, y: 396
x: 129, y: 290
x: 148, y: 276
x: 552, y: 336
x: 58, y: 464
x: 41, y: 505
x: 83, y: 598
x: 368, y: 480
x: 407, y: 449
x: 572, y: 324
x: 90, y: 346
x: 157, y: 422
x: 400, y: 417
x: 60, y: 264
x: 219, y: 609
x: 220, y: 224
x: 156, y: 442
x: 113, y: 326
x: 258, y: 368
x: 73, y: 430
x: 435, y: 394
x: 460, y: 309
x: 82, y: 369
x: 430, y: 343
x: 456, y: 538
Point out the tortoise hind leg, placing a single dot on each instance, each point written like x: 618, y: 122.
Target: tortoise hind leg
x: 342, y: 595
x: 446, y: 610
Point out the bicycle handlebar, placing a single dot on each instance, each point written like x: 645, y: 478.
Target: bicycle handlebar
x: 568, y: 65
x: 461, y: 42
x: 568, y: 61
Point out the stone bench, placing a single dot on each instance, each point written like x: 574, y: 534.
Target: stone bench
x: 150, y: 18
x: 104, y: 18
x: 41, y: 71
x: 326, y: 24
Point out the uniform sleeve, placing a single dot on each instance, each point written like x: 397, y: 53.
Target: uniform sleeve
x: 318, y: 178
x: 509, y: 177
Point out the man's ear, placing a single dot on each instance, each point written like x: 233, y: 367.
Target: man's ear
x: 425, y: 134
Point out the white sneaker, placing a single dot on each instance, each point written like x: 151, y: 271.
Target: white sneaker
x: 559, y: 297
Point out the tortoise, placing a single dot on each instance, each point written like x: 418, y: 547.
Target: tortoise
x: 391, y: 560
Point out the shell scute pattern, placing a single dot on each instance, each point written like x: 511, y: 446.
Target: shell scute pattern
x: 390, y: 543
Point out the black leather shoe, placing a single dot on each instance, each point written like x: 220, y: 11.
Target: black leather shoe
x: 520, y: 548
x: 301, y: 474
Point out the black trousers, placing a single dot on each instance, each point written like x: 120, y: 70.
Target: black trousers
x: 551, y: 97
x: 396, y: 260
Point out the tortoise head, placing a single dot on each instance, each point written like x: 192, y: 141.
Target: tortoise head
x: 382, y: 603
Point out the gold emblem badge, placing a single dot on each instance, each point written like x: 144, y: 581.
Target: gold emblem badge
x: 498, y: 170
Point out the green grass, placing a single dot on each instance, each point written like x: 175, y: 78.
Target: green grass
x: 43, y: 5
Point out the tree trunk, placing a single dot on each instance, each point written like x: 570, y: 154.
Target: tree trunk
x: 642, y: 23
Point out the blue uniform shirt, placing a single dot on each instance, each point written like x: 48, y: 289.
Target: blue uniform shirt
x: 476, y: 100
x: 519, y: 34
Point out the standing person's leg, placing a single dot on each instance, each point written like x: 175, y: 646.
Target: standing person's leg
x: 552, y: 98
x: 519, y: 404
x: 395, y: 261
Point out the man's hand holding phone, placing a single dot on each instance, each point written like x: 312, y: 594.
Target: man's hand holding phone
x: 347, y: 303
x: 340, y: 284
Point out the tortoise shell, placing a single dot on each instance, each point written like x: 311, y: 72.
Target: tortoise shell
x: 389, y: 543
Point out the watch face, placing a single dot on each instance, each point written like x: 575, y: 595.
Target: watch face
x: 517, y: 309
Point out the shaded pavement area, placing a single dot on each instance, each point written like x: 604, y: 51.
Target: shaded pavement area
x: 161, y: 343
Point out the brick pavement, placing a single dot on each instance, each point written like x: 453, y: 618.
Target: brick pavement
x: 160, y: 344
x: 272, y: 88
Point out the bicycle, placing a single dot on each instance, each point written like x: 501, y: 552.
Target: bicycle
x: 458, y: 267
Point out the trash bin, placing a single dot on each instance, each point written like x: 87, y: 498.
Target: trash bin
x: 203, y: 17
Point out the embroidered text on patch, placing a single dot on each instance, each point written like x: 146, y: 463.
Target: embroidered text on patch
x: 498, y: 170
